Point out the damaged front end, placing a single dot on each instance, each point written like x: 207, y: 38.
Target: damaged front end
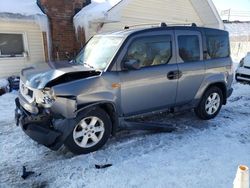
x: 46, y: 117
x: 44, y: 125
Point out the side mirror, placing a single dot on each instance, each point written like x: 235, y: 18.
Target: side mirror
x: 132, y: 64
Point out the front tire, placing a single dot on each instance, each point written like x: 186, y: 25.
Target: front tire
x: 210, y: 104
x: 91, y: 132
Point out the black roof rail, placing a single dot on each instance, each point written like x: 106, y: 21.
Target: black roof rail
x: 184, y: 24
x: 162, y: 24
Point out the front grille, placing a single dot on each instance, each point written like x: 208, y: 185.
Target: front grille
x: 246, y: 67
x: 244, y: 76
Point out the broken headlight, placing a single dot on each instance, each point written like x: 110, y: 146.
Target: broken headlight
x: 46, y: 99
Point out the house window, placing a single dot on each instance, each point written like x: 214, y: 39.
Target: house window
x: 189, y: 48
x: 11, y: 45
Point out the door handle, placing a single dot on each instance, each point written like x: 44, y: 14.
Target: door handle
x: 172, y: 75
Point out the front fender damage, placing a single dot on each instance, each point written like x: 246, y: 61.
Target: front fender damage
x: 65, y: 106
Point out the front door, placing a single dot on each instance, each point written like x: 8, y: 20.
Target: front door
x: 154, y: 85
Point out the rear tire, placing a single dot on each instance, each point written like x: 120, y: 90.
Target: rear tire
x: 91, y: 132
x: 210, y: 104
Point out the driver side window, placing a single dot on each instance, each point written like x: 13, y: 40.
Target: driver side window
x: 151, y: 51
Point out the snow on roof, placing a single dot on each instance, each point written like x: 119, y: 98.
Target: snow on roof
x: 24, y: 10
x: 23, y: 7
x: 20, y: 10
x: 94, y: 13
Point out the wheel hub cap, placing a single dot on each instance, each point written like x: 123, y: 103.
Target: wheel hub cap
x: 212, y: 103
x: 88, y: 132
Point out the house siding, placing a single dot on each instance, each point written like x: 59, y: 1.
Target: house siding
x: 169, y: 11
x: 34, y: 45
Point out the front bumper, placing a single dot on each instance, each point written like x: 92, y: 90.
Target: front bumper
x: 43, y: 127
x: 242, y: 74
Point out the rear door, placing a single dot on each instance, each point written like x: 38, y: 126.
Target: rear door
x: 190, y: 63
x: 149, y: 88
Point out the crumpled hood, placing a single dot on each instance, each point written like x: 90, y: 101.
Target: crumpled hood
x: 41, y: 76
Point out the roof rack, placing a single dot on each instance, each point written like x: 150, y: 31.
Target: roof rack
x: 162, y: 24
x: 184, y: 24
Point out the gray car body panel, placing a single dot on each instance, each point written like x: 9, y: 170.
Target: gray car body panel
x: 97, y: 89
x: 140, y: 91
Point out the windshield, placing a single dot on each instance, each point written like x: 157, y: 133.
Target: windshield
x: 99, y: 51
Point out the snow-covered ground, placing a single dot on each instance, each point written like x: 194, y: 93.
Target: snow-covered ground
x: 3, y: 83
x: 199, y: 154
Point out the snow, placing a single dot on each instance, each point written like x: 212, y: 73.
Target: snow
x: 96, y: 12
x: 238, y: 29
x: 198, y: 154
x: 3, y: 83
x: 240, y: 39
x: 25, y: 10
x: 24, y: 7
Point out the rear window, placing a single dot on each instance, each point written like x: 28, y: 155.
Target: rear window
x: 218, y: 46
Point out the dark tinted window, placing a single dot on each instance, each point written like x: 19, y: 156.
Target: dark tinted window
x: 218, y: 46
x: 189, y: 47
x: 151, y: 51
x: 11, y: 45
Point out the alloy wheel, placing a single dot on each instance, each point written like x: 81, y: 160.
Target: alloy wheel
x: 88, y: 132
x: 212, y: 103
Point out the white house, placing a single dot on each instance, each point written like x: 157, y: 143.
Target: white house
x: 108, y: 15
x: 23, y: 35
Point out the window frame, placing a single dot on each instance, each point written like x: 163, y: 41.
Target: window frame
x: 25, y: 44
x: 188, y: 33
x: 171, y: 40
x: 213, y: 35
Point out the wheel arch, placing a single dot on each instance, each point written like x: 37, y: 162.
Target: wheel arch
x: 108, y: 107
x: 221, y: 86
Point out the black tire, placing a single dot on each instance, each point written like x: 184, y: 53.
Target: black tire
x: 104, y: 117
x: 200, y: 110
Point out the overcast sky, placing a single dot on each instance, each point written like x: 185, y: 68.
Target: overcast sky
x: 240, y: 9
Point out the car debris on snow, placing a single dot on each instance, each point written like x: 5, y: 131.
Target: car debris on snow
x: 26, y: 173
x: 102, y: 166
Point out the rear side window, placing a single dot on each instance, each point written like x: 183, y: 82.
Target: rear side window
x: 218, y: 46
x: 151, y: 51
x: 189, y: 48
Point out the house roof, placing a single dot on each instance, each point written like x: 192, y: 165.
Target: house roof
x: 21, y: 8
x: 94, y: 12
